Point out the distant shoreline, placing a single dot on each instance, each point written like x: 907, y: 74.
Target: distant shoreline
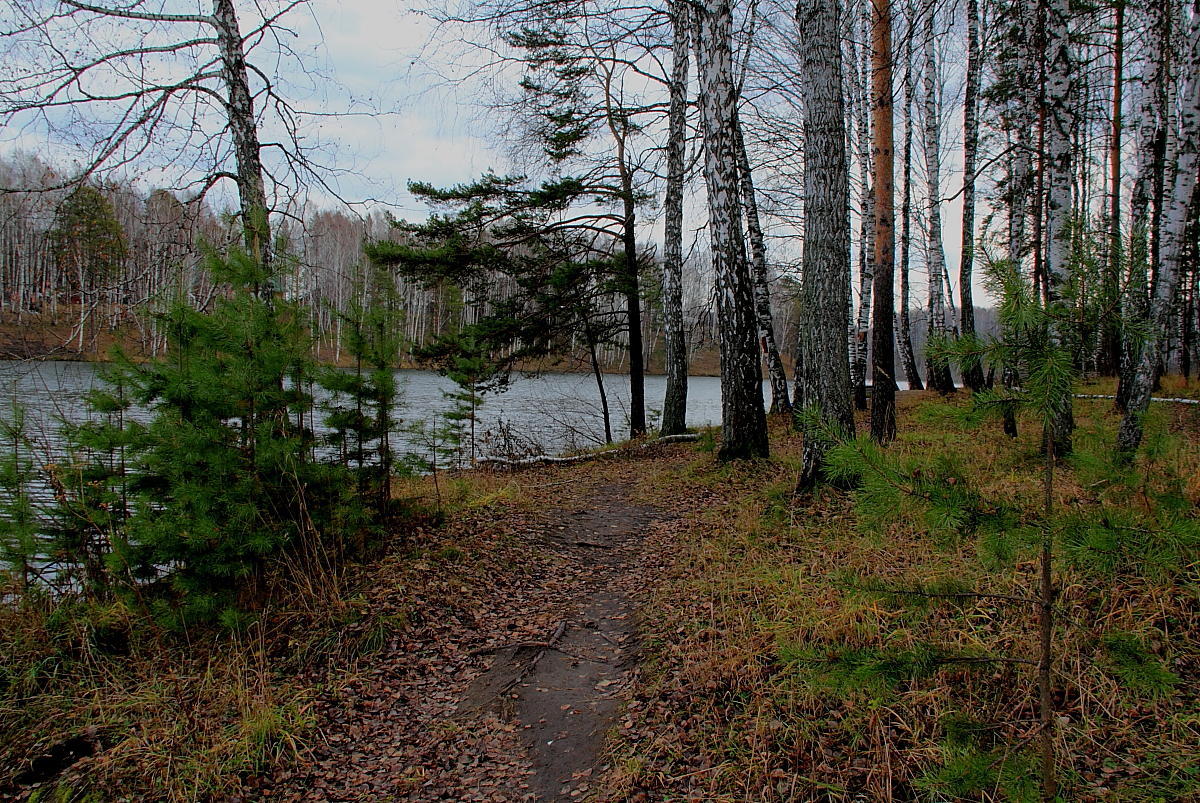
x: 45, y: 343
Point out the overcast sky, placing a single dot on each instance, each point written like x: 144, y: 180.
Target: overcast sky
x: 378, y: 52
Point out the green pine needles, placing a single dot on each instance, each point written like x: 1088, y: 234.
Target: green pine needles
x: 192, y: 505
x: 1130, y: 528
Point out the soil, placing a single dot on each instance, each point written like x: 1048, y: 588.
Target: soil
x: 510, y: 694
x: 563, y: 694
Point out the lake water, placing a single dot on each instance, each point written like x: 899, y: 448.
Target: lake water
x: 550, y: 412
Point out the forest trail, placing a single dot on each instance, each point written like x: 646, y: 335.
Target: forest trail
x: 562, y: 692
x: 509, y: 672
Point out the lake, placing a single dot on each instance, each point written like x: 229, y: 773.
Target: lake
x: 550, y: 412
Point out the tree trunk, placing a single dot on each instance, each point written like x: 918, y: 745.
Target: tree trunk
x: 1174, y: 243
x: 743, y: 420
x: 762, y: 290
x: 674, y: 414
x: 1187, y: 338
x: 911, y: 373
x: 598, y: 375
x: 1152, y: 124
x: 1109, y: 357
x: 1059, y: 118
x: 244, y: 129
x: 1018, y: 67
x: 883, y: 362
x: 866, y: 262
x: 824, y: 374
x: 633, y: 307
x: 937, y: 370
x: 973, y: 371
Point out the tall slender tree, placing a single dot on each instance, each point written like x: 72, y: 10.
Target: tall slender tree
x: 1145, y: 202
x: 859, y: 59
x: 973, y: 371
x: 743, y: 419
x: 1178, y: 215
x: 883, y: 362
x: 1108, y: 359
x: 911, y: 373
x: 1058, y: 113
x: 823, y: 381
x: 936, y: 370
x: 137, y: 79
x: 674, y: 414
x: 780, y: 403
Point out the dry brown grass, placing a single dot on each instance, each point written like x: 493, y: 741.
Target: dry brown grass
x: 727, y: 712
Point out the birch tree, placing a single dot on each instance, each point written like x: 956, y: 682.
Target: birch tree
x: 1059, y: 120
x: 859, y: 59
x: 780, y: 403
x: 1174, y: 241
x: 122, y: 81
x: 911, y: 373
x: 1152, y: 125
x: 675, y: 399
x: 823, y: 376
x: 743, y: 420
x: 972, y: 372
x: 1110, y: 332
x: 937, y: 371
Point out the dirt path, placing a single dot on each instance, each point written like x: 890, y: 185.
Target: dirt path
x: 563, y: 692
x: 507, y: 677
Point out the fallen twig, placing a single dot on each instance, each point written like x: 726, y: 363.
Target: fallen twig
x: 549, y: 645
x: 518, y: 645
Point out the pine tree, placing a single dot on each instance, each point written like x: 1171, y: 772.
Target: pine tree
x: 823, y: 376
x: 883, y: 360
x: 887, y: 487
x: 223, y: 480
x: 89, y: 247
x: 21, y: 544
x: 361, y: 412
x: 89, y: 521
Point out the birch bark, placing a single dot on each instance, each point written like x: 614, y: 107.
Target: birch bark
x: 1059, y: 116
x: 743, y: 419
x: 937, y: 371
x: 972, y: 373
x: 860, y: 59
x: 1150, y: 166
x: 244, y: 130
x: 911, y: 373
x: 675, y: 400
x: 1108, y: 358
x: 1174, y: 243
x: 762, y: 289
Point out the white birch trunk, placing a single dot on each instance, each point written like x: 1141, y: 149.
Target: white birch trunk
x: 1174, y: 243
x: 1059, y: 116
x: 675, y: 399
x: 743, y: 419
x: 937, y: 371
